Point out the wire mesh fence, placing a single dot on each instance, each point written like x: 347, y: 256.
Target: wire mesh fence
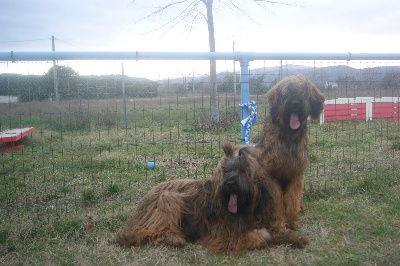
x: 91, y: 146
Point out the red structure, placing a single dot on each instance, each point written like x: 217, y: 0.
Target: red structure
x: 361, y: 108
x: 386, y: 110
x: 9, y: 138
x: 353, y: 111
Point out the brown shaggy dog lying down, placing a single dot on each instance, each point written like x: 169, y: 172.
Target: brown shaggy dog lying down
x: 225, y: 213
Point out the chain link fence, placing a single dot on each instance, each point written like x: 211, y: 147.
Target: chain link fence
x: 96, y: 130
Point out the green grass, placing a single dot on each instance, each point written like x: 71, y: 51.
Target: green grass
x: 73, y: 185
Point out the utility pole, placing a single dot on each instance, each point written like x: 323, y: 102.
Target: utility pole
x: 53, y: 46
x: 124, y: 96
x: 234, y: 72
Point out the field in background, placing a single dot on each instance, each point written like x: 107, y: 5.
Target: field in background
x: 81, y: 173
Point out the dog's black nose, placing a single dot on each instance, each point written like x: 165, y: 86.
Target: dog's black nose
x: 295, y: 102
x: 230, y: 184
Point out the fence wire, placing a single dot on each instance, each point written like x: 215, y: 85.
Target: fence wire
x: 91, y: 147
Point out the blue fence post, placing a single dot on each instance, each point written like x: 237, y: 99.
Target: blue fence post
x: 244, y: 93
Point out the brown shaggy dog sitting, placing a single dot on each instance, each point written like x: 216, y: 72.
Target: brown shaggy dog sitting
x: 224, y: 213
x: 282, y: 149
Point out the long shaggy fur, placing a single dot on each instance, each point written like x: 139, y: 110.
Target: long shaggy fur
x: 282, y: 150
x: 226, y: 212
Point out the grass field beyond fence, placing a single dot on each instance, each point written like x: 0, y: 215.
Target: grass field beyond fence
x: 81, y: 174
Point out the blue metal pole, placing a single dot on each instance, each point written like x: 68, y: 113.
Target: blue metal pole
x: 244, y: 93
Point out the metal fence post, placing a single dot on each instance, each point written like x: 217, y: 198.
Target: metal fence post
x: 124, y: 96
x: 244, y: 93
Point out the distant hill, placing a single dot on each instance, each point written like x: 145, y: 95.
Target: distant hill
x: 118, y: 77
x: 324, y: 74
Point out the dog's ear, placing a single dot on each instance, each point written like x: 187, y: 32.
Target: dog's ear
x: 317, y: 102
x: 211, y: 215
x: 274, y: 114
x: 246, y: 163
x: 250, y: 151
x: 263, y: 197
x: 228, y: 149
x: 273, y: 97
x: 242, y: 161
x: 245, y: 150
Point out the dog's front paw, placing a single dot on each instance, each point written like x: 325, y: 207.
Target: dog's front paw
x: 174, y: 240
x: 263, y: 233
x: 291, y: 238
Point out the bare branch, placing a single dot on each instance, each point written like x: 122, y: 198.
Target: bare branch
x: 191, y: 13
x: 187, y: 12
x: 240, y: 10
x: 259, y: 2
x: 162, y: 9
x: 264, y: 4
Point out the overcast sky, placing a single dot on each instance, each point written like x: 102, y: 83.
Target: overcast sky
x: 104, y: 25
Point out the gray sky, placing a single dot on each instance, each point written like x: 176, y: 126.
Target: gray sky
x: 103, y: 25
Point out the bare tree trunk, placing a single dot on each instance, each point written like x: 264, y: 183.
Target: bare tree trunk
x: 190, y: 13
x: 213, y: 64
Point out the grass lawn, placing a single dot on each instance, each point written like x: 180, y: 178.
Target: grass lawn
x: 81, y: 175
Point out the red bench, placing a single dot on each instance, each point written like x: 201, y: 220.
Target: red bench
x: 9, y: 137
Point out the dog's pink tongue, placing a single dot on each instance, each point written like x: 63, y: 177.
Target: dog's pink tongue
x: 232, y: 204
x: 294, y: 121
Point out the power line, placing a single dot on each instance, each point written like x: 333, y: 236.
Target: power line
x: 43, y: 39
x: 68, y: 43
x: 33, y: 40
